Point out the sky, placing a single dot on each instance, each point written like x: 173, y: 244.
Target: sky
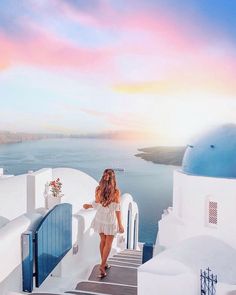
x: 160, y: 69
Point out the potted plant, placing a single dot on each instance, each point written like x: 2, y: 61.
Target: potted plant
x: 54, y: 197
x: 55, y: 186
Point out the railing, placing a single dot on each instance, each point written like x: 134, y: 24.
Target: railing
x: 128, y: 228
x: 134, y: 239
x: 53, y: 239
x: 208, y: 282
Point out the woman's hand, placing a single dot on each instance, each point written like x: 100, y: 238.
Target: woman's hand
x: 121, y: 229
x: 87, y: 206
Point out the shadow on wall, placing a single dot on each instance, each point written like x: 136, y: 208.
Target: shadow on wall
x: 88, y: 241
x: 13, y: 280
x: 3, y: 221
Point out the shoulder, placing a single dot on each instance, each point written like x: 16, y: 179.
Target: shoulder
x: 117, y: 196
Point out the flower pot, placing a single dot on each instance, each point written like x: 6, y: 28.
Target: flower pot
x: 51, y: 201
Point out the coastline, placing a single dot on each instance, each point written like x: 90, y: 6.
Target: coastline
x: 7, y: 137
x: 162, y: 155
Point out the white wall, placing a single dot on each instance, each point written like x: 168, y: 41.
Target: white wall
x: 166, y: 277
x: 13, y: 196
x: 189, y: 217
x: 77, y: 186
x: 36, y: 188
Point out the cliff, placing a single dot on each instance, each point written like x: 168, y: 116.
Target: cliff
x: 163, y: 155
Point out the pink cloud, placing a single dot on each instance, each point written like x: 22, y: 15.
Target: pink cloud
x: 176, y: 51
x: 47, y: 50
x: 75, y: 15
x: 159, y: 29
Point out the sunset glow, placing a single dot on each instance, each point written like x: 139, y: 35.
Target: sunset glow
x: 164, y: 69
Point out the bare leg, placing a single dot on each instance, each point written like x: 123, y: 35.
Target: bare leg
x: 106, y: 250
x: 102, y: 243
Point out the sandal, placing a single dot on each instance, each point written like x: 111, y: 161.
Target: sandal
x: 102, y: 273
x: 107, y: 266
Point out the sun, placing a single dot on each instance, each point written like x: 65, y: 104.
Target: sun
x: 176, y: 121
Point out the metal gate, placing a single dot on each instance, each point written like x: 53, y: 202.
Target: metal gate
x: 208, y: 282
x: 53, y: 239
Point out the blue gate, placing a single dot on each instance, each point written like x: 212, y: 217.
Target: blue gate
x: 53, y: 239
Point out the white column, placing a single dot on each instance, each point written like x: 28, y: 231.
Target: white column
x: 136, y: 231
x: 35, y: 188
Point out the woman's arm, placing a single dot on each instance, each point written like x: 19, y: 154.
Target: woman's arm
x: 87, y: 206
x: 120, y: 225
x: 118, y: 213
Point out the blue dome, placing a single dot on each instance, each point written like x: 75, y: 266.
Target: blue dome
x: 213, y: 154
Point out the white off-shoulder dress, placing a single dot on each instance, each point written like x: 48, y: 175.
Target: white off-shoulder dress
x: 105, y: 220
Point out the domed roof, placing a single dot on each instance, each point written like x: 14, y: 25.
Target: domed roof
x: 213, y: 154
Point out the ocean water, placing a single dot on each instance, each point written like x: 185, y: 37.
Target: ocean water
x: 149, y: 184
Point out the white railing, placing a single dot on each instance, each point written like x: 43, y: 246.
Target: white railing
x: 131, y: 224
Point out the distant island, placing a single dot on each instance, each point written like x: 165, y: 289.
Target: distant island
x: 17, y: 137
x: 163, y: 155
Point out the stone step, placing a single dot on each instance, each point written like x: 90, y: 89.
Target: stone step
x: 106, y: 288
x: 128, y: 276
x: 122, y: 263
x: 44, y: 294
x: 138, y: 252
x: 126, y: 260
x: 129, y: 254
x: 127, y: 257
x: 131, y: 251
x: 82, y: 293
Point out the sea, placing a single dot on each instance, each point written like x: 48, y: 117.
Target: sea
x: 150, y: 184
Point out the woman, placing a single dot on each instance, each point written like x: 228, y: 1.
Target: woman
x: 107, y: 221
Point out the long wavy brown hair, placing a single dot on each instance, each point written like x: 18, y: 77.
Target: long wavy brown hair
x: 107, y: 187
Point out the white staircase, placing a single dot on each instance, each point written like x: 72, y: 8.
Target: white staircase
x: 121, y: 278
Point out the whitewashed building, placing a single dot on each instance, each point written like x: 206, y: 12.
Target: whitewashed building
x: 199, y: 230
